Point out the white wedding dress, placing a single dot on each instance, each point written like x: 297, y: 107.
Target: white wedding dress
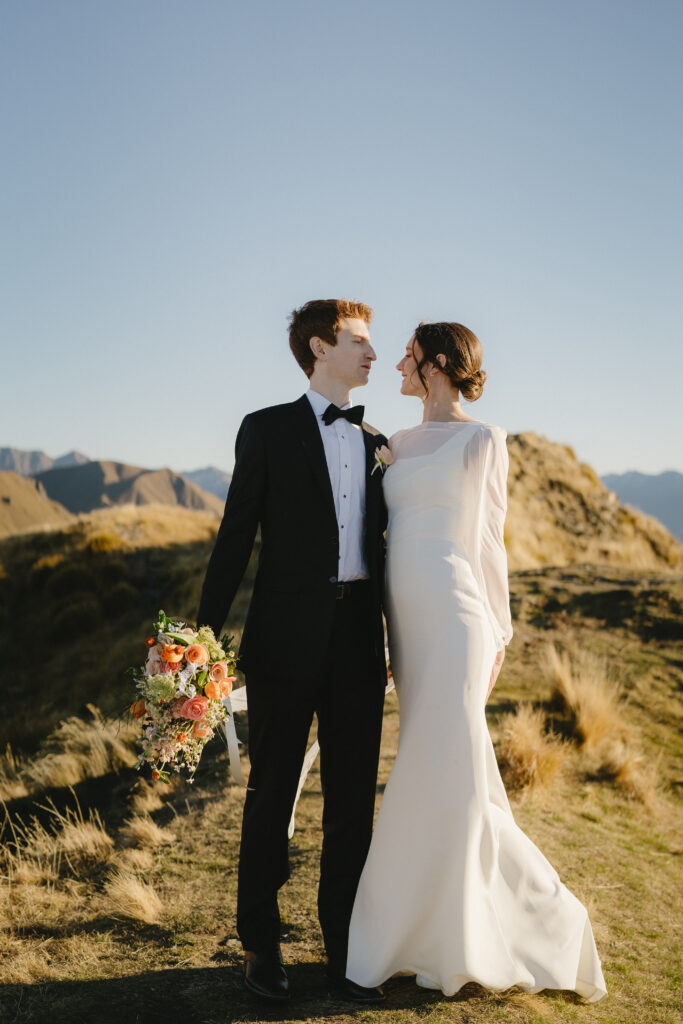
x: 452, y: 889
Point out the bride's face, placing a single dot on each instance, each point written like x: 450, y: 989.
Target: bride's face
x: 411, y: 383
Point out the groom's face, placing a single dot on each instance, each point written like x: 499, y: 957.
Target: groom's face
x: 350, y: 360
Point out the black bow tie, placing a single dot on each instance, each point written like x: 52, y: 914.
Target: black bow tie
x: 353, y: 415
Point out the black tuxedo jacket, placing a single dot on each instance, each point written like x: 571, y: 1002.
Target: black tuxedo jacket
x: 281, y: 483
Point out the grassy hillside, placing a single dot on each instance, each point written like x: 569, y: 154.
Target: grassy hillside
x: 560, y: 513
x: 117, y: 899
x: 77, y: 602
x: 25, y: 506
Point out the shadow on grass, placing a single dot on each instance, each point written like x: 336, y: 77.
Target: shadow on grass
x: 215, y: 995
x: 205, y: 995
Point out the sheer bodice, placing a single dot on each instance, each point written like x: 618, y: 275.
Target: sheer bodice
x: 447, y: 490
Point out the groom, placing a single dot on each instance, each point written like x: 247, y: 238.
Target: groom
x: 313, y: 641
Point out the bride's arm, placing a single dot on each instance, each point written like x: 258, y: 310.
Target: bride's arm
x: 493, y: 556
x: 489, y: 455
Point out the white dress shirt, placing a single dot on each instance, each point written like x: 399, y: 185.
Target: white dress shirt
x: 345, y: 456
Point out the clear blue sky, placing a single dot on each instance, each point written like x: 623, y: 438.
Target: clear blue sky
x: 177, y: 175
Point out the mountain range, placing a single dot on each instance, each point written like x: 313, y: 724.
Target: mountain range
x: 559, y: 511
x: 215, y: 481
x: 14, y: 460
x: 660, y: 495
x: 100, y: 484
x: 31, y: 463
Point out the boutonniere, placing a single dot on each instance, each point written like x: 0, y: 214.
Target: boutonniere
x: 383, y: 459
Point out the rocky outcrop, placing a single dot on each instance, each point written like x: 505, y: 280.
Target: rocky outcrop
x: 560, y: 513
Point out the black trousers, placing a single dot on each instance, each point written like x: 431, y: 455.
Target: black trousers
x: 347, y: 697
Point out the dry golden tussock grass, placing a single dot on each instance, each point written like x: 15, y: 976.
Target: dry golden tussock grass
x: 582, y: 684
x: 146, y: 799
x: 610, y: 747
x: 152, y: 525
x: 529, y: 758
x: 73, y: 844
x: 623, y: 761
x: 80, y: 749
x: 140, y: 830
x: 24, y: 964
x: 13, y: 783
x: 126, y: 895
x: 134, y: 860
x: 53, y: 906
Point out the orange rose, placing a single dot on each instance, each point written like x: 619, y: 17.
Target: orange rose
x: 195, y: 708
x: 226, y: 685
x: 150, y: 641
x: 197, y: 654
x: 219, y: 670
x: 137, y: 709
x: 181, y: 737
x: 173, y: 653
x: 200, y: 730
x: 213, y: 689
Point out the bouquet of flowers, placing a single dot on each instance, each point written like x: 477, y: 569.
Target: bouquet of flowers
x: 181, y: 689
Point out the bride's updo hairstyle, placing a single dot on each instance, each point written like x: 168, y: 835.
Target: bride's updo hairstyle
x: 462, y: 350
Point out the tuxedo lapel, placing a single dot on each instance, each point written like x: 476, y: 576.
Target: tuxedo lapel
x: 312, y: 444
x: 373, y: 481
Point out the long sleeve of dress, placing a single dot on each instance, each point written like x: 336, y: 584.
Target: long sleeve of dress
x: 492, y: 460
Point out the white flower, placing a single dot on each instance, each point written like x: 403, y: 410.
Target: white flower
x: 383, y: 458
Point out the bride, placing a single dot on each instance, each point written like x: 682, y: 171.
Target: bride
x: 452, y: 889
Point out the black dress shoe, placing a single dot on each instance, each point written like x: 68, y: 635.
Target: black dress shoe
x: 343, y: 986
x: 265, y: 976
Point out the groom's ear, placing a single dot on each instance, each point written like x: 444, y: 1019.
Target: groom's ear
x: 317, y: 346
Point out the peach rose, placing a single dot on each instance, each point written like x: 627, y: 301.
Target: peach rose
x: 181, y: 737
x: 219, y: 670
x: 200, y: 730
x: 173, y: 653
x: 226, y: 685
x: 197, y: 654
x: 137, y: 709
x: 195, y: 708
x: 213, y: 689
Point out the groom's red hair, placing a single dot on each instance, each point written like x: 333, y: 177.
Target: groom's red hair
x: 320, y: 318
